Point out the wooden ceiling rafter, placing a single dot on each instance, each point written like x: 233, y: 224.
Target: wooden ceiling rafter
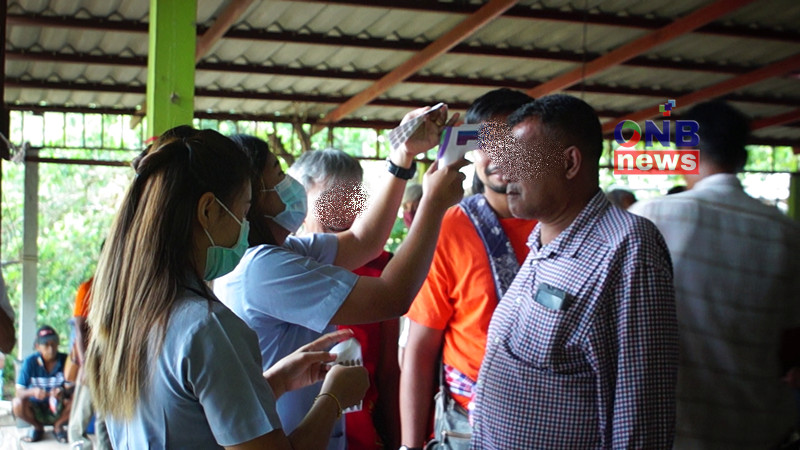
x: 229, y: 16
x: 776, y: 120
x: 409, y: 45
x: 441, y: 45
x: 266, y: 96
x: 679, y: 27
x: 775, y: 69
x: 595, y: 17
x: 141, y: 61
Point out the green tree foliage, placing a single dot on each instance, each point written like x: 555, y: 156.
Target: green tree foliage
x: 76, y: 206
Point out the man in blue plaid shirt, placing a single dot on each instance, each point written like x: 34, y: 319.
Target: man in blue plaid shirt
x: 582, y: 350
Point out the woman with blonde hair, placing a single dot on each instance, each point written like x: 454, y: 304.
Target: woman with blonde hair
x: 168, y: 365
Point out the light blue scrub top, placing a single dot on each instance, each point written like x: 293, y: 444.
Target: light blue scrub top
x: 288, y: 294
x: 206, y: 389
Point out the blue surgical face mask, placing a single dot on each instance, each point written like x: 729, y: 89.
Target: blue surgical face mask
x: 222, y: 260
x: 293, y: 196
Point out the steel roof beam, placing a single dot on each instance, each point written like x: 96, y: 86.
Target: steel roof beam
x: 522, y: 12
x: 775, y: 69
x: 638, y: 46
x: 380, y: 43
x: 140, y: 61
x: 780, y: 119
x: 274, y: 96
x: 217, y: 93
x: 575, y: 16
x: 355, y: 123
x: 457, y: 34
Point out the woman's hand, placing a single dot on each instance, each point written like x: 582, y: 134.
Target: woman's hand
x: 426, y: 136
x: 347, y: 383
x: 306, y: 365
x: 444, y: 186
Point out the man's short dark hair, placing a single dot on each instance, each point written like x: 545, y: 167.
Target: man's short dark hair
x: 723, y: 133
x: 568, y: 120
x: 496, y: 103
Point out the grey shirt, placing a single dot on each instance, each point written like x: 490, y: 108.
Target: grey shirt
x: 206, y: 387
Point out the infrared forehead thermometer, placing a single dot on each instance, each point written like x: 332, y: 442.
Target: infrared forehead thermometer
x: 456, y: 142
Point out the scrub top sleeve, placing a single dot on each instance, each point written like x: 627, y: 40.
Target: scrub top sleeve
x: 296, y: 289
x: 223, y: 369
x: 322, y: 247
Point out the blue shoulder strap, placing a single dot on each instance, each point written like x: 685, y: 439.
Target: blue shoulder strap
x: 502, y: 259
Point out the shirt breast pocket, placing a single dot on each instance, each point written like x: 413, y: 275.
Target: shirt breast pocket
x: 545, y: 334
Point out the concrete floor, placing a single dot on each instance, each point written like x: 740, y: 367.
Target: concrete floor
x: 10, y: 433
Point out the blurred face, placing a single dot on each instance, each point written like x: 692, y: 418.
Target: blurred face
x: 627, y: 201
x: 409, y: 212
x: 485, y: 170
x: 535, y: 173
x: 334, y: 206
x: 48, y: 349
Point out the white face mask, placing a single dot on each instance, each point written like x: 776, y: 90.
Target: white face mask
x: 293, y: 196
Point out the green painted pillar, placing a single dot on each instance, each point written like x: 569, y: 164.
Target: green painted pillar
x: 170, y: 64
x: 794, y: 187
x: 794, y: 196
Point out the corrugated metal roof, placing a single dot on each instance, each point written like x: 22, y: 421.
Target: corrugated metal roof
x: 342, y: 46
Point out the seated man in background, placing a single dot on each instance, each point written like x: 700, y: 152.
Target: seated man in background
x: 40, y: 398
x: 737, y: 289
x: 332, y: 180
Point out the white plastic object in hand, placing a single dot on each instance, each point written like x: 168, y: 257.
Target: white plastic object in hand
x: 456, y: 142
x: 348, y: 353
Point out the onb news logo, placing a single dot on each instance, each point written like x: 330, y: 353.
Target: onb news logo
x: 630, y: 161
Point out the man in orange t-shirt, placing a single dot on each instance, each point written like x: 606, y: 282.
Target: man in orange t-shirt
x: 82, y: 409
x: 479, y: 251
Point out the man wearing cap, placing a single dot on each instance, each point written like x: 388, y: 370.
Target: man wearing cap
x: 40, y: 396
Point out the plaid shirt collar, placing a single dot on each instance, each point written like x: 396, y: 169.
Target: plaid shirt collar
x: 569, y: 241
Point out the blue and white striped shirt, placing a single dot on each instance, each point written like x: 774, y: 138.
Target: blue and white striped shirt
x: 33, y: 374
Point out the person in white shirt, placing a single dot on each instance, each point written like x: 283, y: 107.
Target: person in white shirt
x: 738, y: 296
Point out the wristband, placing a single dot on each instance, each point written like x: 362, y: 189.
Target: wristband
x: 338, y: 405
x: 401, y: 172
